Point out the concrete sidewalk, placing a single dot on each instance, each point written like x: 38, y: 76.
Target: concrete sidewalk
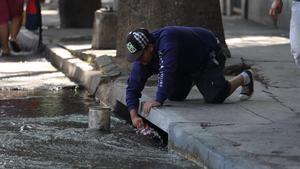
x: 263, y: 132
x: 260, y: 133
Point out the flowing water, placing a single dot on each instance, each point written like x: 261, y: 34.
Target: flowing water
x: 49, y: 129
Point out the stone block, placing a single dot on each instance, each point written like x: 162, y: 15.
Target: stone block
x: 102, y: 61
x: 95, y: 79
x: 105, y: 29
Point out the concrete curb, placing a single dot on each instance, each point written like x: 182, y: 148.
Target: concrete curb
x: 209, y: 150
x: 76, y: 69
x: 204, y: 148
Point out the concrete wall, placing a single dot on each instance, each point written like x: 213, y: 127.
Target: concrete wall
x: 258, y: 11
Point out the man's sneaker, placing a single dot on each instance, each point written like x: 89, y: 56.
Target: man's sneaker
x: 14, y: 46
x: 247, y: 90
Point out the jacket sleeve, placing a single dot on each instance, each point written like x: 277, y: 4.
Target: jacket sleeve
x: 135, y: 84
x: 168, y: 57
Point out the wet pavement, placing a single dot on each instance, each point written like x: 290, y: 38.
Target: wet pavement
x: 44, y: 124
x: 49, y: 129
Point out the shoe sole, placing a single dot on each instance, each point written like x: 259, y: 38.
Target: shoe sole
x: 244, y: 97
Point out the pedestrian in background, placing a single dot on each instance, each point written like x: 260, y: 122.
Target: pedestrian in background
x: 276, y: 9
x: 10, y: 24
x: 182, y: 57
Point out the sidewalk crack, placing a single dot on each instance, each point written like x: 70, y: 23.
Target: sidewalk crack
x: 206, y: 124
x: 257, y: 114
x: 280, y: 102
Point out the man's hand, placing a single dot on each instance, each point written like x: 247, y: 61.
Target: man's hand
x: 276, y: 8
x: 135, y: 119
x: 148, y: 105
x: 137, y: 122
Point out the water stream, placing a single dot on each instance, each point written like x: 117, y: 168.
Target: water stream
x: 49, y: 129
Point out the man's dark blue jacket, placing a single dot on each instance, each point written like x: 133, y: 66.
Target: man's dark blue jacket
x: 176, y: 48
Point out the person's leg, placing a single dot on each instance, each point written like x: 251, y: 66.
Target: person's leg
x: 213, y: 85
x: 4, y: 30
x: 295, y: 32
x: 215, y: 88
x: 16, y: 10
x: 211, y: 81
x: 181, y: 88
x: 246, y: 80
x: 15, y: 27
x: 236, y: 82
x: 4, y: 34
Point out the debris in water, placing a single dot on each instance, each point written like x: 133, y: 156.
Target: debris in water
x: 25, y: 127
x: 151, y: 133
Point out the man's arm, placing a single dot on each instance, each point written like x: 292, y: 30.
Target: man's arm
x: 135, y: 119
x: 168, y: 56
x: 135, y: 84
x: 168, y: 62
x: 167, y: 72
x: 276, y: 8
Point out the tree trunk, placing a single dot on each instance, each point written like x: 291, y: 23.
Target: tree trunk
x: 77, y: 13
x: 153, y: 14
